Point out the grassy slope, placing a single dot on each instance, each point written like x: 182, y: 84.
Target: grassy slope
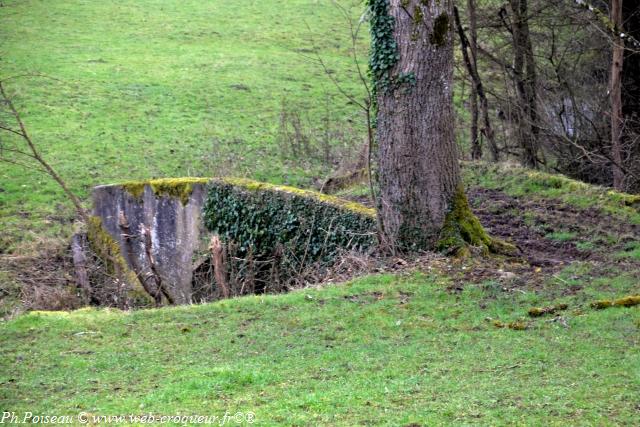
x: 519, y: 182
x: 146, y: 90
x: 153, y: 88
x: 381, y: 350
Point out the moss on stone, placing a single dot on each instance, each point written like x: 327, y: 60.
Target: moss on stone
x: 135, y: 188
x: 541, y: 311
x: 252, y: 185
x: 108, y: 250
x: 629, y: 301
x: 517, y: 325
x: 179, y: 188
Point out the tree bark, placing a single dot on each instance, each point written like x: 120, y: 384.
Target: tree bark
x: 617, y: 119
x: 476, y: 147
x: 471, y: 64
x: 423, y: 204
x: 524, y: 70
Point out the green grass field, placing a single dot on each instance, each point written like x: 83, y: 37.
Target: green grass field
x: 383, y: 350
x: 137, y: 89
x: 154, y: 88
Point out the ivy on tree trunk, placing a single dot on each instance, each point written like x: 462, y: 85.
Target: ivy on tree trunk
x: 422, y: 204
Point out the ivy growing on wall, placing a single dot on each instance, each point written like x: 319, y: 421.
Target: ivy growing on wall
x: 297, y: 227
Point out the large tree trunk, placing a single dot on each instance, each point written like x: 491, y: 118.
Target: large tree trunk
x: 617, y: 119
x: 423, y: 204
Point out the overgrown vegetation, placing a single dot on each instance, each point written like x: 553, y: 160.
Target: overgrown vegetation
x: 285, y: 229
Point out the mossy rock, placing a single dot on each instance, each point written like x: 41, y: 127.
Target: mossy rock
x: 180, y: 188
x: 517, y: 325
x: 629, y: 301
x: 108, y: 250
x: 542, y: 311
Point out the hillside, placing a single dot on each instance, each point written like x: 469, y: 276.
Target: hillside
x: 431, y: 341
x: 117, y: 91
x: 387, y: 349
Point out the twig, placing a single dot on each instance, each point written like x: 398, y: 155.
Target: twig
x: 36, y: 155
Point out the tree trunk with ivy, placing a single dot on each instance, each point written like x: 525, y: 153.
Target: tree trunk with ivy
x: 422, y: 203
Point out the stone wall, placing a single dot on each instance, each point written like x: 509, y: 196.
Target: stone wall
x: 157, y: 233
x: 152, y: 234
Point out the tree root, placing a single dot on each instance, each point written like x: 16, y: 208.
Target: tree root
x: 462, y: 230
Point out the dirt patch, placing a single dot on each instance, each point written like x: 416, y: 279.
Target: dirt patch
x: 506, y: 217
x: 550, y: 234
x: 529, y: 223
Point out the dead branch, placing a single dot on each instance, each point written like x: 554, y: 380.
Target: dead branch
x: 219, y: 265
x: 35, y: 153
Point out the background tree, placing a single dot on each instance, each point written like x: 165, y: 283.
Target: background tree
x: 617, y: 120
x: 469, y: 48
x: 630, y: 95
x: 546, y: 69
